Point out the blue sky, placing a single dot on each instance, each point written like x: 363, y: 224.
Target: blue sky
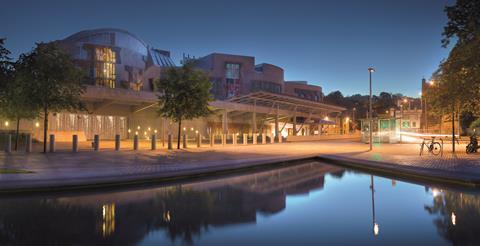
x: 328, y: 43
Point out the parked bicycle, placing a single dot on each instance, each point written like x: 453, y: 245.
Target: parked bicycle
x: 433, y: 147
x: 472, y: 147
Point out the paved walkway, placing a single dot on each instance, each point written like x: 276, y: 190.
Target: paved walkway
x: 67, y: 170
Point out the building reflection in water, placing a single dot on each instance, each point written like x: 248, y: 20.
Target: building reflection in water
x: 182, y: 211
x: 186, y: 211
x: 108, y: 219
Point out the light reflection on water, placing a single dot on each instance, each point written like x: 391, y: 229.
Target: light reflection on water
x: 305, y: 204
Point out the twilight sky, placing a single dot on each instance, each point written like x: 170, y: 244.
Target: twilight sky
x: 328, y: 43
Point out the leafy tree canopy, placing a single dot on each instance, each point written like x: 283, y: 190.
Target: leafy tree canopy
x: 52, y: 81
x: 458, y: 77
x: 184, y: 94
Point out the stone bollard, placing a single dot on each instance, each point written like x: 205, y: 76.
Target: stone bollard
x: 184, y: 141
x: 234, y: 139
x: 245, y: 139
x: 154, y: 142
x: 75, y: 143
x: 170, y: 141
x: 28, y: 143
x: 199, y: 140
x: 117, y: 142
x: 96, y: 142
x: 52, y: 143
x: 8, y: 143
x: 135, y: 142
x: 254, y: 138
x: 264, y: 138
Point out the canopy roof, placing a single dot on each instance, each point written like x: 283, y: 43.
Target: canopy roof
x: 286, y: 102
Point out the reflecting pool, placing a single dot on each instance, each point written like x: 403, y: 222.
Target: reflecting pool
x: 306, y: 204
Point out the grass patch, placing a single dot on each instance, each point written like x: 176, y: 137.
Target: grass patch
x: 14, y: 171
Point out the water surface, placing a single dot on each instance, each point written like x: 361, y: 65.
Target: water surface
x: 306, y: 204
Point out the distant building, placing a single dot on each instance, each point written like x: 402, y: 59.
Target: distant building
x: 303, y: 90
x: 121, y: 96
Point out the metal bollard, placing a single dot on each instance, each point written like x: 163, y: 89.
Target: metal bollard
x: 264, y: 138
x: 154, y: 142
x: 135, y: 142
x: 75, y: 143
x: 117, y: 142
x: 52, y: 143
x: 28, y: 143
x: 245, y: 139
x: 96, y: 142
x: 234, y: 139
x: 169, y: 141
x: 212, y: 139
x: 199, y: 140
x: 279, y: 138
x: 8, y: 143
x: 224, y: 139
x: 254, y: 138
x: 184, y: 141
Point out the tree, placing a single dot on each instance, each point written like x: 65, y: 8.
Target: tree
x: 54, y: 82
x: 6, y: 69
x: 457, y: 81
x: 335, y: 97
x: 184, y: 95
x: 459, y: 74
x: 16, y: 104
x: 463, y: 22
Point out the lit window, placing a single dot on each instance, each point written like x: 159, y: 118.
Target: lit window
x: 232, y: 71
x: 105, y: 67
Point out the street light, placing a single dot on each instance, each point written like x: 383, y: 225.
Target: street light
x: 370, y: 71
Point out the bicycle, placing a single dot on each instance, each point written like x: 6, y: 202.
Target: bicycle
x: 433, y: 146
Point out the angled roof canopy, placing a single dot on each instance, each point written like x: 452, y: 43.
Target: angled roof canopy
x: 286, y: 102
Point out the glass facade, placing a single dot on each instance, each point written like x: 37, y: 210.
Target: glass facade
x: 105, y: 67
x: 307, y: 94
x: 266, y: 86
x: 104, y: 125
x: 232, y: 79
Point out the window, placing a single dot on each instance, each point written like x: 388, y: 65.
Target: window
x: 266, y: 86
x: 307, y: 94
x: 232, y: 79
x: 232, y: 71
x: 105, y: 67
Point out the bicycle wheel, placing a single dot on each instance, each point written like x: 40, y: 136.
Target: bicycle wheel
x: 436, y: 148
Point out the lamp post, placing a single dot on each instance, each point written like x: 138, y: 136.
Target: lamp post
x: 353, y: 119
x: 370, y: 71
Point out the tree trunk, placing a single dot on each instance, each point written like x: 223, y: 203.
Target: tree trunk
x: 179, y: 131
x: 45, y: 129
x: 17, y: 133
